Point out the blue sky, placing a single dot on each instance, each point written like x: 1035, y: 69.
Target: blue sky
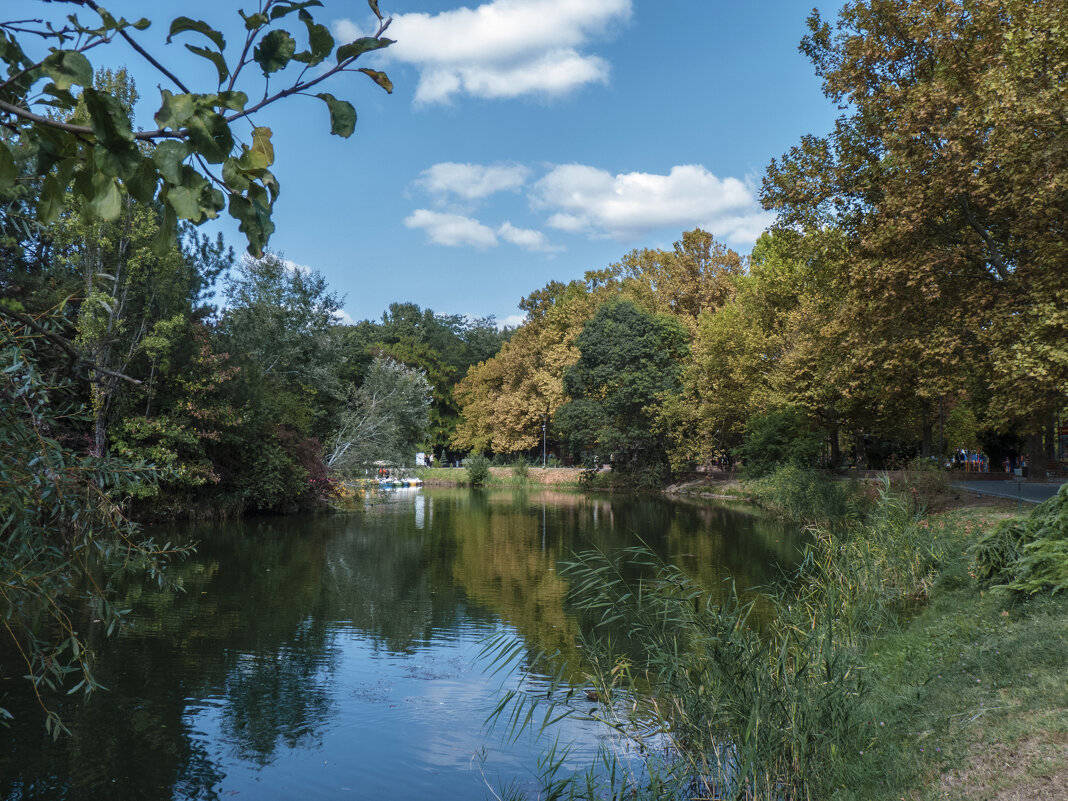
x: 525, y: 140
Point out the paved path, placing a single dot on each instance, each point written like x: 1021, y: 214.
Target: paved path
x: 1025, y: 490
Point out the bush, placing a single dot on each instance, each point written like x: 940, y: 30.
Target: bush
x: 1030, y: 555
x: 924, y: 481
x: 806, y: 496
x: 520, y: 469
x: 777, y: 439
x: 478, y: 467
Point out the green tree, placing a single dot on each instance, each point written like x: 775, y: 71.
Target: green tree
x: 63, y: 534
x: 443, y: 346
x: 194, y: 163
x: 630, y: 361
x: 947, y: 176
x: 385, y: 419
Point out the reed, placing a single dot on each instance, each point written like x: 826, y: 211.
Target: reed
x: 699, y: 703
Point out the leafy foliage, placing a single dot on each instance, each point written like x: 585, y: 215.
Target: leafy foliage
x: 193, y: 163
x: 385, y: 419
x: 1028, y: 556
x: 478, y: 469
x: 63, y: 535
x: 629, y: 361
x: 779, y: 438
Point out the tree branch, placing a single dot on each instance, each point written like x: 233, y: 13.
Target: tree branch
x: 1000, y: 266
x: 64, y: 345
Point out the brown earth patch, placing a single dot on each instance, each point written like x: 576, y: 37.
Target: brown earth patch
x: 1034, y: 768
x: 537, y: 475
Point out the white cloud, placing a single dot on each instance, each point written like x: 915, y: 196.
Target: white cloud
x: 293, y: 267
x: 626, y: 206
x: 527, y: 238
x: 471, y: 181
x: 342, y: 317
x: 512, y: 321
x: 452, y: 230
x: 502, y: 48
x: 457, y: 230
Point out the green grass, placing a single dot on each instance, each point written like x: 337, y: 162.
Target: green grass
x: 973, y: 674
x: 889, y: 673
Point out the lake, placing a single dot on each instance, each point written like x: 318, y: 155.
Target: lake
x: 338, y: 656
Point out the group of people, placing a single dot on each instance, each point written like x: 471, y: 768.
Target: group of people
x: 971, y: 461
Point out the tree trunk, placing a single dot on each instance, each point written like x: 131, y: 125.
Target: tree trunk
x: 858, y: 449
x: 836, y: 448
x: 926, y: 428
x: 1036, y: 457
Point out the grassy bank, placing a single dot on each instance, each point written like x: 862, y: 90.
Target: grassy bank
x: 890, y: 671
x: 969, y: 699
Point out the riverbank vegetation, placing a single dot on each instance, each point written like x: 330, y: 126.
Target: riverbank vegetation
x: 907, y: 302
x: 890, y: 668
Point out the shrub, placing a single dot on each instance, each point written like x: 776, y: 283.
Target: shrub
x: 777, y: 439
x: 520, y: 469
x: 924, y: 481
x: 806, y: 496
x: 1030, y: 555
x: 477, y: 469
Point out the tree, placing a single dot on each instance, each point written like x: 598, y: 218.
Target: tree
x: 193, y: 163
x: 62, y: 532
x: 697, y: 275
x: 630, y: 360
x: 947, y: 176
x: 385, y: 419
x: 505, y: 401
x: 281, y: 320
x: 443, y: 346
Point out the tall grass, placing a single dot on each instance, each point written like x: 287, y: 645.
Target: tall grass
x: 807, y: 496
x: 700, y: 703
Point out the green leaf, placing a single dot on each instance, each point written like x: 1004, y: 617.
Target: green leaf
x: 274, y: 51
x: 374, y: 7
x: 108, y: 118
x: 62, y: 97
x: 106, y: 200
x: 50, y: 205
x: 280, y: 10
x: 181, y: 24
x: 342, y: 115
x: 68, y: 67
x: 233, y: 175
x: 119, y: 159
x: 360, y: 46
x: 8, y: 171
x: 320, y: 42
x: 235, y: 101
x: 167, y: 236
x: 379, y: 78
x: 169, y: 156
x: 175, y: 110
x: 215, y: 58
x: 255, y: 219
x: 142, y: 185
x: 141, y: 24
x: 210, y: 136
x: 185, y: 200
x: 254, y: 21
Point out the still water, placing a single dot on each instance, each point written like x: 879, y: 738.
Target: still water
x: 337, y: 657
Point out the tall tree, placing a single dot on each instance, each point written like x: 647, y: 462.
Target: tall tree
x: 947, y: 173
x: 630, y: 360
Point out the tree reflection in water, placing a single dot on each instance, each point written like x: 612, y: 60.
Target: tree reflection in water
x: 315, y: 654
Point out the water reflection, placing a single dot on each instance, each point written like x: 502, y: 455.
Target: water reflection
x: 337, y: 657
